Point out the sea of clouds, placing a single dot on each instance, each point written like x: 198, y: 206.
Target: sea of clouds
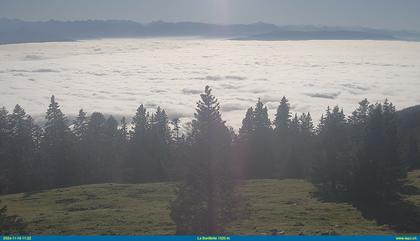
x: 115, y: 76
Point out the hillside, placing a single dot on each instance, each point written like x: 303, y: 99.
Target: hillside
x: 286, y: 205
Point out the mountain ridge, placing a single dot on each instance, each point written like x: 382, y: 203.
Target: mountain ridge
x: 19, y: 31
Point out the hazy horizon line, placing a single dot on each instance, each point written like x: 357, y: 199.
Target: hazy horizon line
x: 214, y: 23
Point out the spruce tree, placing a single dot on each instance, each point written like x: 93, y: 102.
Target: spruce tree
x: 96, y: 141
x: 248, y: 125
x: 81, y: 148
x: 110, y: 150
x: 22, y: 150
x: 293, y: 166
x: 306, y: 125
x: 80, y: 125
x: 331, y: 168
x: 159, y: 145
x: 207, y: 200
x: 283, y: 116
x: 379, y: 171
x: 305, y: 146
x: 57, y: 146
x: 175, y: 123
x: 262, y: 161
x: 123, y: 131
x: 139, y: 136
x: 283, y: 143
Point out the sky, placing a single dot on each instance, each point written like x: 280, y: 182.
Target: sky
x: 386, y: 14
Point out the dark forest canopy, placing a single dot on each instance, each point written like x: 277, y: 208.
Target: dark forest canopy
x: 362, y: 158
x: 341, y: 153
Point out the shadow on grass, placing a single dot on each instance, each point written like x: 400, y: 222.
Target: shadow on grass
x: 399, y: 214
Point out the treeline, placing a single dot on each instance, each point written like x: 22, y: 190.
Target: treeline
x: 354, y: 154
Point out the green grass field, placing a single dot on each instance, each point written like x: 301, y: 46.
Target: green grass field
x: 142, y: 209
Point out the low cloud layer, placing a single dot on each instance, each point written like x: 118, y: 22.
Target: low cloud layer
x: 116, y: 76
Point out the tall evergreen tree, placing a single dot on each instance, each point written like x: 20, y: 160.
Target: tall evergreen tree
x: 283, y: 143
x: 293, y: 164
x: 207, y: 201
x: 248, y: 124
x: 331, y: 169
x: 80, y: 125
x: 123, y: 131
x: 139, y: 136
x: 379, y: 170
x: 57, y: 146
x: 81, y: 148
x: 22, y: 150
x: 283, y: 117
x: 306, y: 125
x: 159, y: 145
x: 262, y: 163
x: 176, y: 127
x: 306, y: 143
x: 97, y: 143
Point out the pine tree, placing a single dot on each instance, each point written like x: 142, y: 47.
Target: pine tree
x: 97, y: 143
x: 261, y: 121
x: 380, y: 169
x: 141, y: 123
x: 293, y: 166
x: 22, y: 150
x: 57, y: 146
x: 306, y: 125
x: 80, y: 125
x: 121, y: 150
x: 261, y: 150
x: 180, y: 151
x: 248, y: 124
x: 283, y: 143
x: 357, y: 130
x: 138, y: 169
x: 110, y: 150
x: 395, y: 168
x: 331, y: 169
x: 123, y: 131
x: 207, y: 200
x: 175, y: 123
x: 283, y: 116
x: 306, y: 143
x: 159, y: 145
x: 360, y: 115
x: 81, y: 148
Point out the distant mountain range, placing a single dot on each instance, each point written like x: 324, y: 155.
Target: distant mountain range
x: 319, y: 35
x: 17, y: 31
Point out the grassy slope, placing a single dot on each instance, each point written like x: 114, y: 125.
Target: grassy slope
x: 143, y: 210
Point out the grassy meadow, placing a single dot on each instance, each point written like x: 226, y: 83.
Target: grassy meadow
x: 288, y: 206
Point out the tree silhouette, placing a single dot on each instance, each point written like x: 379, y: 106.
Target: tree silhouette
x: 56, y: 147
x: 207, y: 200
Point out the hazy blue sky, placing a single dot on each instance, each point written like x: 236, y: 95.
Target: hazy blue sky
x: 391, y: 14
